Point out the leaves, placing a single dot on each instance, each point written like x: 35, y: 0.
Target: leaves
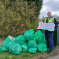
x: 17, y: 16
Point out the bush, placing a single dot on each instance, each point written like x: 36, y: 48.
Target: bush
x: 17, y: 17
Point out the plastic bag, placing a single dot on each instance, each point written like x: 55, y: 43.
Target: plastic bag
x: 42, y: 47
x: 32, y: 50
x: 5, y: 43
x: 45, y: 41
x: 12, y: 38
x: 20, y: 39
x: 3, y: 48
x: 0, y: 48
x: 39, y: 37
x: 15, y: 48
x: 32, y: 44
x: 24, y: 47
x: 29, y: 34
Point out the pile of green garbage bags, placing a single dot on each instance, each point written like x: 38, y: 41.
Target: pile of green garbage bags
x: 29, y: 42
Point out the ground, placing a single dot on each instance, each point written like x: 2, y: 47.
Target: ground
x: 38, y: 55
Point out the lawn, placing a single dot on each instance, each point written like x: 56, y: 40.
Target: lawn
x: 6, y: 55
x: 23, y: 55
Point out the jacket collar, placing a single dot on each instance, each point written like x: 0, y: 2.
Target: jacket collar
x: 50, y: 17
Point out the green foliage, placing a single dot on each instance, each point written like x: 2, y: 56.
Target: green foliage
x: 38, y: 4
x: 17, y: 17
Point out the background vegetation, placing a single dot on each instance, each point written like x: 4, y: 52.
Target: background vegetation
x: 18, y: 16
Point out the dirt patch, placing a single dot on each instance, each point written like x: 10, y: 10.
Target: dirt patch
x: 46, y: 55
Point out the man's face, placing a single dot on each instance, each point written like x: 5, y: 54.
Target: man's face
x: 49, y: 14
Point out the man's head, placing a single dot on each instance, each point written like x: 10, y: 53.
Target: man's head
x: 49, y: 14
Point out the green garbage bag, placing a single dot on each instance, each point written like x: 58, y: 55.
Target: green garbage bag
x: 39, y: 37
x: 42, y: 47
x: 24, y: 47
x: 20, y: 39
x: 32, y: 44
x: 45, y: 41
x: 11, y: 37
x: 32, y: 50
x: 10, y: 43
x: 3, y: 48
x: 0, y: 48
x: 5, y: 43
x: 15, y: 48
x: 29, y: 34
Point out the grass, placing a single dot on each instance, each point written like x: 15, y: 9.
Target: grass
x: 23, y: 55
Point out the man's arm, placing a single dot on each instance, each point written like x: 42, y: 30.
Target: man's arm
x: 56, y: 23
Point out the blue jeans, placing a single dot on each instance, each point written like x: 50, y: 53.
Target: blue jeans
x: 49, y: 40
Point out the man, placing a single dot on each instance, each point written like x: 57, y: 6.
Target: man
x: 48, y: 33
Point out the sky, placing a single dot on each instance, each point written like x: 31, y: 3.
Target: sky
x: 49, y: 5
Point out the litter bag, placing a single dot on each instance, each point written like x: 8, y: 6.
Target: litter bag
x: 29, y: 34
x: 32, y: 50
x: 20, y: 39
x: 32, y: 44
x: 39, y: 37
x: 42, y: 47
x: 24, y: 47
x: 15, y: 48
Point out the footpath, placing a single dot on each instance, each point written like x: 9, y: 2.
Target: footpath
x: 56, y: 57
